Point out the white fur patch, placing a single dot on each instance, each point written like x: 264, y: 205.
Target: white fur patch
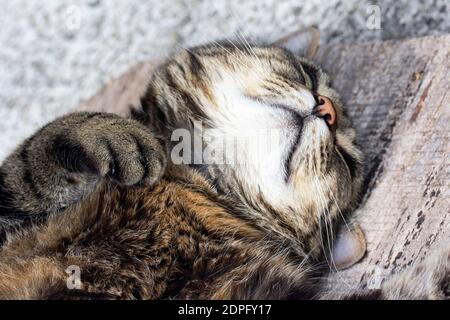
x: 264, y: 135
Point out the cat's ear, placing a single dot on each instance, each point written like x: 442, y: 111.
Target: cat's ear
x: 349, y: 247
x: 302, y: 42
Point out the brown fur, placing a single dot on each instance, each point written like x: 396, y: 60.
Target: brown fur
x: 178, y: 240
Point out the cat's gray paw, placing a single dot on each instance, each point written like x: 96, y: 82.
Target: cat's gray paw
x: 66, y: 159
x: 108, y: 146
x: 429, y: 279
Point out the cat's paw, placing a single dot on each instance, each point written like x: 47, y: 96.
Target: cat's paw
x: 429, y: 279
x: 112, y: 147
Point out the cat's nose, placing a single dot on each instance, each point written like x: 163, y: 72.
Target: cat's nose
x: 325, y: 110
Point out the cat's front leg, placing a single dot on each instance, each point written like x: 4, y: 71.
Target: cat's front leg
x: 66, y: 159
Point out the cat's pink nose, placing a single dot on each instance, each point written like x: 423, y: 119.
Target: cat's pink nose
x: 325, y: 110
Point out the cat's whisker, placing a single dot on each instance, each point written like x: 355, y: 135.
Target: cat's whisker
x: 307, y: 256
x: 334, y: 263
x: 320, y: 219
x: 251, y: 50
x: 234, y: 56
x: 331, y: 240
x: 336, y: 203
x: 328, y: 222
x: 240, y: 35
x: 251, y: 68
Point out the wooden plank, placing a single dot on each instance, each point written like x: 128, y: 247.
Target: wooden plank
x: 397, y: 93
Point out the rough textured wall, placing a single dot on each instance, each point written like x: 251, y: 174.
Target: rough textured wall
x: 51, y: 61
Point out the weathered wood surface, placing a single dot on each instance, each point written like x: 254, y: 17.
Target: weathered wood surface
x: 397, y: 93
x: 120, y: 94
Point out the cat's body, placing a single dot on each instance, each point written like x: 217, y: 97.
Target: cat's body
x: 103, y: 194
x: 178, y: 240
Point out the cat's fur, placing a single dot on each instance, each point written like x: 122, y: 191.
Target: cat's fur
x: 101, y: 192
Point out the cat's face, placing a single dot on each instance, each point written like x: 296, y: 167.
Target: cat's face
x: 259, y: 104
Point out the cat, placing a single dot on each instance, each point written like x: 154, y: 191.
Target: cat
x: 110, y: 197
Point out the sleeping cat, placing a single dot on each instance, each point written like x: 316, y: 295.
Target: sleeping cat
x: 104, y: 194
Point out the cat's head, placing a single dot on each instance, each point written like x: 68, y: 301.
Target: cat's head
x: 281, y: 127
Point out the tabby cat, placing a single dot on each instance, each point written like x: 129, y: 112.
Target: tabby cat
x: 107, y: 195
